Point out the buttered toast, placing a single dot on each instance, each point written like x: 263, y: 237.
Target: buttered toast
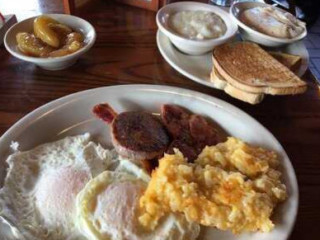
x: 247, y: 67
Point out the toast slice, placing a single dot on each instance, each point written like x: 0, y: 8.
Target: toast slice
x: 247, y: 67
x: 220, y: 83
x: 292, y: 62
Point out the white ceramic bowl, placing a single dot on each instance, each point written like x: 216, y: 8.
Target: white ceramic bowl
x: 190, y: 46
x: 56, y: 63
x: 250, y: 34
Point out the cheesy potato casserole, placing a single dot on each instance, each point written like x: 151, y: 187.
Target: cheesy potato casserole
x: 231, y: 186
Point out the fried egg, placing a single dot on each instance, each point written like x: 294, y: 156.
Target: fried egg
x: 38, y: 196
x: 108, y: 209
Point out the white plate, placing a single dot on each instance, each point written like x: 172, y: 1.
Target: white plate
x: 72, y: 115
x: 198, y: 68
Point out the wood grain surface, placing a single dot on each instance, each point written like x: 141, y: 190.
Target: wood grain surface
x: 125, y: 52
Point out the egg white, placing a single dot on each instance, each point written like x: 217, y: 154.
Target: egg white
x: 35, y: 197
x: 91, y: 208
x: 127, y: 166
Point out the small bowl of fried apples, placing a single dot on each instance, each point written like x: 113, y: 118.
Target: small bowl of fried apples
x: 51, y: 41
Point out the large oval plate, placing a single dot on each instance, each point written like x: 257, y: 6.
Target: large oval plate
x: 72, y: 115
x: 198, y: 68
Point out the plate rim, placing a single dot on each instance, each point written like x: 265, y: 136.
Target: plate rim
x: 57, y: 103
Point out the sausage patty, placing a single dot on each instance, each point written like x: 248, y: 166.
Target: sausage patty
x: 139, y: 135
x: 135, y: 135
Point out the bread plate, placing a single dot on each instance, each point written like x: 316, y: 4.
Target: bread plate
x: 198, y: 68
x: 72, y: 115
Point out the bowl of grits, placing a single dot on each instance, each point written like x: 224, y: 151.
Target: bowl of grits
x: 195, y: 28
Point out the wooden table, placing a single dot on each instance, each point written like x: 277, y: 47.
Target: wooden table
x: 125, y: 52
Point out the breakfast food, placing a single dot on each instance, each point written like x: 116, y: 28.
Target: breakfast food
x: 44, y: 29
x: 190, y: 132
x: 293, y: 62
x: 50, y: 39
x: 250, y: 72
x: 273, y: 22
x: 245, y: 96
x: 142, y: 136
x: 230, y: 186
x: 197, y: 24
x: 32, y: 46
x: 49, y: 193
x: 290, y: 61
x: 108, y: 208
x: 41, y: 185
x: 135, y: 135
x: 249, y: 67
x: 74, y: 189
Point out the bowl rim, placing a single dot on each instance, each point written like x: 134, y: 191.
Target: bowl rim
x: 51, y: 59
x: 259, y: 34
x: 230, y: 24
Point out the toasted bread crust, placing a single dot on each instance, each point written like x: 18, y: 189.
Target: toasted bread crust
x: 217, y: 80
x: 252, y: 98
x: 248, y: 67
